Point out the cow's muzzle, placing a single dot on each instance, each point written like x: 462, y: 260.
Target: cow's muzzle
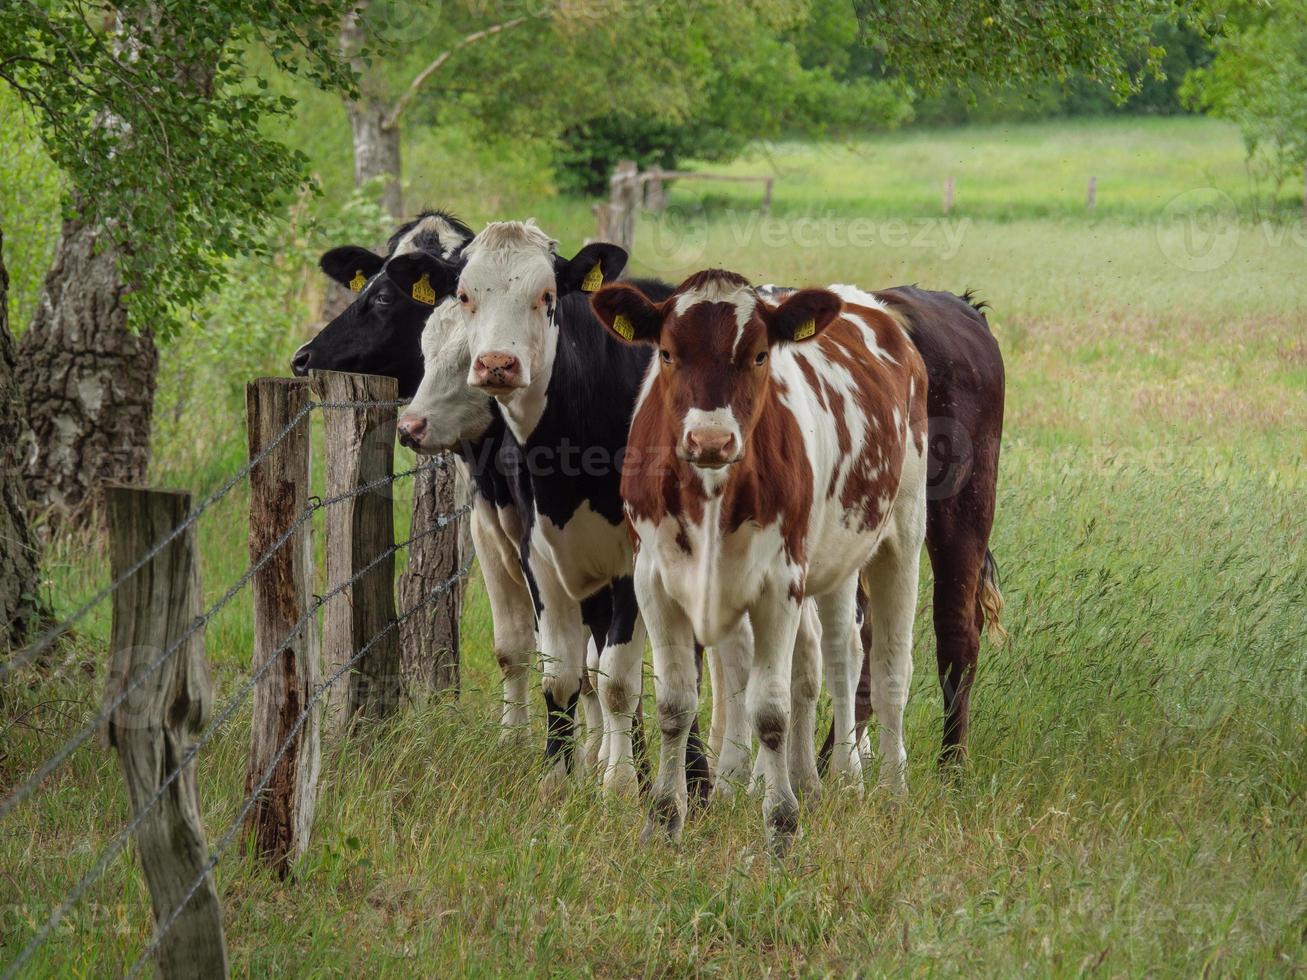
x: 710, y: 448
x: 497, y: 373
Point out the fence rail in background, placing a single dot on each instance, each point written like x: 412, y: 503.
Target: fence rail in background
x: 159, y: 723
x: 629, y: 190
x: 157, y: 699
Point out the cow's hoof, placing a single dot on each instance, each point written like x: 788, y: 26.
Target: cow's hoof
x: 666, y: 818
x: 621, y: 782
x: 553, y: 787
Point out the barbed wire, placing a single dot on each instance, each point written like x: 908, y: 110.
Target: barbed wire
x: 53, y: 762
x: 115, y: 846
x: 229, y: 835
x: 47, y: 639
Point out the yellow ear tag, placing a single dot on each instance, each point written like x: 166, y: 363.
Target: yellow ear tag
x: 422, y: 291
x: 358, y: 282
x: 593, y: 280
x: 805, y: 330
x: 623, y: 327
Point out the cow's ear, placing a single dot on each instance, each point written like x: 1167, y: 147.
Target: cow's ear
x: 802, y: 316
x: 628, y: 314
x: 590, y: 268
x: 422, y: 276
x: 351, y: 265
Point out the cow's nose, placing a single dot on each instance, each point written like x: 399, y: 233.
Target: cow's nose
x: 412, y: 428
x: 496, y: 370
x: 299, y: 364
x: 710, y: 447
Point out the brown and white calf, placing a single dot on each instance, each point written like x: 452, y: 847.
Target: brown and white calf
x: 777, y: 451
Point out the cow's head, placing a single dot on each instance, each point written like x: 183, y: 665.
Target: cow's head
x: 715, y: 338
x: 381, y: 331
x: 445, y: 412
x: 508, y: 292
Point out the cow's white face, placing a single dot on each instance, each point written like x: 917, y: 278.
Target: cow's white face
x: 508, y: 294
x: 445, y: 411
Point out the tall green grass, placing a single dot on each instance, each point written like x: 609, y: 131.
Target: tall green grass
x: 1134, y: 804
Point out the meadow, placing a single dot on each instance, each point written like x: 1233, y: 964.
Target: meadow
x: 1135, y: 799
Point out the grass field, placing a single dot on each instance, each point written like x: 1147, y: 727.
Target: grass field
x: 1136, y: 796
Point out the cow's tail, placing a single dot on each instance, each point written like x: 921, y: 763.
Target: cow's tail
x: 990, y: 600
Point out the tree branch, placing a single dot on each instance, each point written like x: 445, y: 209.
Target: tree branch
x: 403, y: 102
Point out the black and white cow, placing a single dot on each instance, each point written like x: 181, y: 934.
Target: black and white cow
x: 382, y: 332
x: 566, y: 403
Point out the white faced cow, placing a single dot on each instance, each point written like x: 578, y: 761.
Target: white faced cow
x: 781, y: 451
x: 564, y: 392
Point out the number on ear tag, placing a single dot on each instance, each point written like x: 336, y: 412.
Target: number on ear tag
x: 623, y: 327
x: 593, y: 280
x: 422, y: 291
x: 358, y: 282
x: 805, y: 330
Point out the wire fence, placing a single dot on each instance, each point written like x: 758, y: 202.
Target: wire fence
x: 166, y: 918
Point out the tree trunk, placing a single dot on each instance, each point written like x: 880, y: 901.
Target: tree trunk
x: 18, y: 605
x: 376, y: 145
x: 89, y: 381
x: 376, y: 153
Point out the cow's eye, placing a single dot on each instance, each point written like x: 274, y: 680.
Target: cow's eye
x: 384, y: 297
x: 761, y: 359
x: 464, y: 298
x: 666, y: 356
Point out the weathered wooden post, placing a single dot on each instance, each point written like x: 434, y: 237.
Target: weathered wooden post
x: 159, y: 722
x: 767, y: 195
x: 360, y: 449
x: 655, y: 192
x: 429, y: 639
x: 1091, y: 193
x: 949, y: 187
x: 283, y: 592
x: 623, y: 201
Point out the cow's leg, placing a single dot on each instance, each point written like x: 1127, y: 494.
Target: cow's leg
x: 717, y: 726
x: 775, y: 625
x: 513, y: 620
x: 805, y: 687
x: 837, y: 619
x: 562, y: 656
x: 957, y: 545
x: 734, y: 654
x: 676, y: 690
x: 597, y: 613
x: 892, y: 599
x: 619, y: 686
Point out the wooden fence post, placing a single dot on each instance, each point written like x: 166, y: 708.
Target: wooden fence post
x: 655, y: 193
x: 159, y: 722
x: 623, y: 202
x: 1091, y: 193
x: 279, y: 494
x: 949, y: 187
x: 360, y: 449
x: 429, y: 639
x: 767, y: 195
